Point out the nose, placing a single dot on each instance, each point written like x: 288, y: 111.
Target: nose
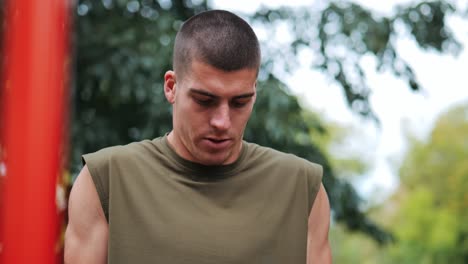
x: 221, y: 119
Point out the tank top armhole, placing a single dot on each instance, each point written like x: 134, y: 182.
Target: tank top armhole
x: 314, y: 179
x: 97, y: 171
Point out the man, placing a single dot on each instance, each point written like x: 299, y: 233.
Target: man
x: 200, y: 194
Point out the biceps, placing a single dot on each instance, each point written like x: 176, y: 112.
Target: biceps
x: 87, y: 230
x: 91, y: 248
x: 318, y: 248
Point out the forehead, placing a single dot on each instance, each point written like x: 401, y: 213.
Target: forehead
x: 202, y: 76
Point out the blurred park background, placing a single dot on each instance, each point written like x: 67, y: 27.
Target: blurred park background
x: 375, y: 92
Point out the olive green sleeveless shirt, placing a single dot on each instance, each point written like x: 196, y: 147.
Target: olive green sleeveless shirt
x: 162, y: 208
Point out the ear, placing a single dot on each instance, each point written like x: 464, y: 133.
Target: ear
x: 170, y: 86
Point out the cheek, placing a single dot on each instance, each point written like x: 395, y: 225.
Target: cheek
x: 193, y: 119
x: 240, y: 119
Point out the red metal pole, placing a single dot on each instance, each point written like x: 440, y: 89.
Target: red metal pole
x: 35, y: 96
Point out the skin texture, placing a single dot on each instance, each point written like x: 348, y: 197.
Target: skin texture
x: 211, y: 108
x: 87, y: 230
x: 318, y: 247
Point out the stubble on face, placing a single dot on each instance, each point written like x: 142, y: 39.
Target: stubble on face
x: 210, y: 114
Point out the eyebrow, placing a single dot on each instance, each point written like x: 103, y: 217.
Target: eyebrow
x: 201, y: 92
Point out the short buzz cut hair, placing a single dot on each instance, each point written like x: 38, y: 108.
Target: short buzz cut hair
x: 218, y: 38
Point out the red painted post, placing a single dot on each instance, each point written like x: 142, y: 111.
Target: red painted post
x: 34, y: 111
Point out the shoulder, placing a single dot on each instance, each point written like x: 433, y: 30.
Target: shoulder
x: 121, y: 159
x: 120, y: 153
x: 266, y: 155
x: 289, y: 168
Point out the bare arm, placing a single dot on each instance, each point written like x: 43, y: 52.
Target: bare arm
x: 318, y: 248
x: 87, y: 231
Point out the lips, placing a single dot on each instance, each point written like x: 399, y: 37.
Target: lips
x: 217, y: 143
x: 216, y: 140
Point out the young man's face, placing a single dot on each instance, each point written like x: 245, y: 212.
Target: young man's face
x: 211, y: 108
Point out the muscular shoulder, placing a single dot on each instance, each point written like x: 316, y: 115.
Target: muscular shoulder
x: 122, y: 153
x: 260, y: 154
x: 289, y: 168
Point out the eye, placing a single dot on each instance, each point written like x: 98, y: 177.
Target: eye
x: 241, y: 102
x: 204, y: 101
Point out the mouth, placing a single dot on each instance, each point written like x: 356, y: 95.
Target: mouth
x: 217, y: 143
x: 218, y: 140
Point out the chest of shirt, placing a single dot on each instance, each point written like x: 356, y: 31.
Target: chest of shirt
x: 166, y: 217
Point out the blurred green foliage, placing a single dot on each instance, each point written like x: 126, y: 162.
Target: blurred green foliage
x: 347, y: 161
x: 355, y: 248
x: 429, y: 212
x: 432, y: 223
